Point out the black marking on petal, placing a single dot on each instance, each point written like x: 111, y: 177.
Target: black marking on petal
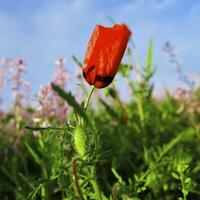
x: 104, y: 79
x: 84, y: 74
x: 90, y: 69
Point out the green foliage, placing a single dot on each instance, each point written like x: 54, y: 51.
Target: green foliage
x: 70, y: 100
x: 144, y: 149
x: 77, y: 61
x: 148, y: 71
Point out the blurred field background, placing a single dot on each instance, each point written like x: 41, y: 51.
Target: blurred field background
x: 144, y: 140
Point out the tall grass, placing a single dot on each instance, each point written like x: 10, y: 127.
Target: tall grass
x: 104, y: 147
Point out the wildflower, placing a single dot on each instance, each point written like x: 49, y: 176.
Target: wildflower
x: 169, y: 50
x: 182, y: 94
x: 5, y: 64
x: 194, y: 107
x: 61, y: 75
x: 20, y: 87
x: 49, y: 104
x: 104, y: 53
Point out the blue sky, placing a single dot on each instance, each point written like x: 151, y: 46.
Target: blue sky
x: 42, y: 30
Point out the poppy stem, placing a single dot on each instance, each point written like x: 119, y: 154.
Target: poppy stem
x: 89, y: 97
x: 93, y: 171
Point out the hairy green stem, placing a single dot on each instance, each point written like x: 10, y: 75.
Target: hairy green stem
x: 139, y: 102
x: 89, y: 97
x: 75, y: 180
x: 94, y: 183
x: 115, y: 189
x: 93, y: 173
x: 43, y: 187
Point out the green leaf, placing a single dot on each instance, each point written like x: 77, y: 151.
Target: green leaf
x: 43, y: 128
x: 149, y: 56
x: 188, y: 180
x: 175, y: 175
x: 146, y: 155
x: 70, y: 99
x: 148, y: 71
x: 110, y: 92
x: 26, y: 180
x: 109, y: 109
x: 117, y: 176
x: 111, y: 20
x: 124, y: 69
x: 77, y: 61
x: 32, y: 195
x: 33, y: 154
x: 167, y: 147
x: 41, y: 183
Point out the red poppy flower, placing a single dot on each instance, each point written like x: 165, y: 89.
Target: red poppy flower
x: 104, y: 54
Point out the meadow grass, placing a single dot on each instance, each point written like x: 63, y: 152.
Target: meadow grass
x: 104, y: 148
